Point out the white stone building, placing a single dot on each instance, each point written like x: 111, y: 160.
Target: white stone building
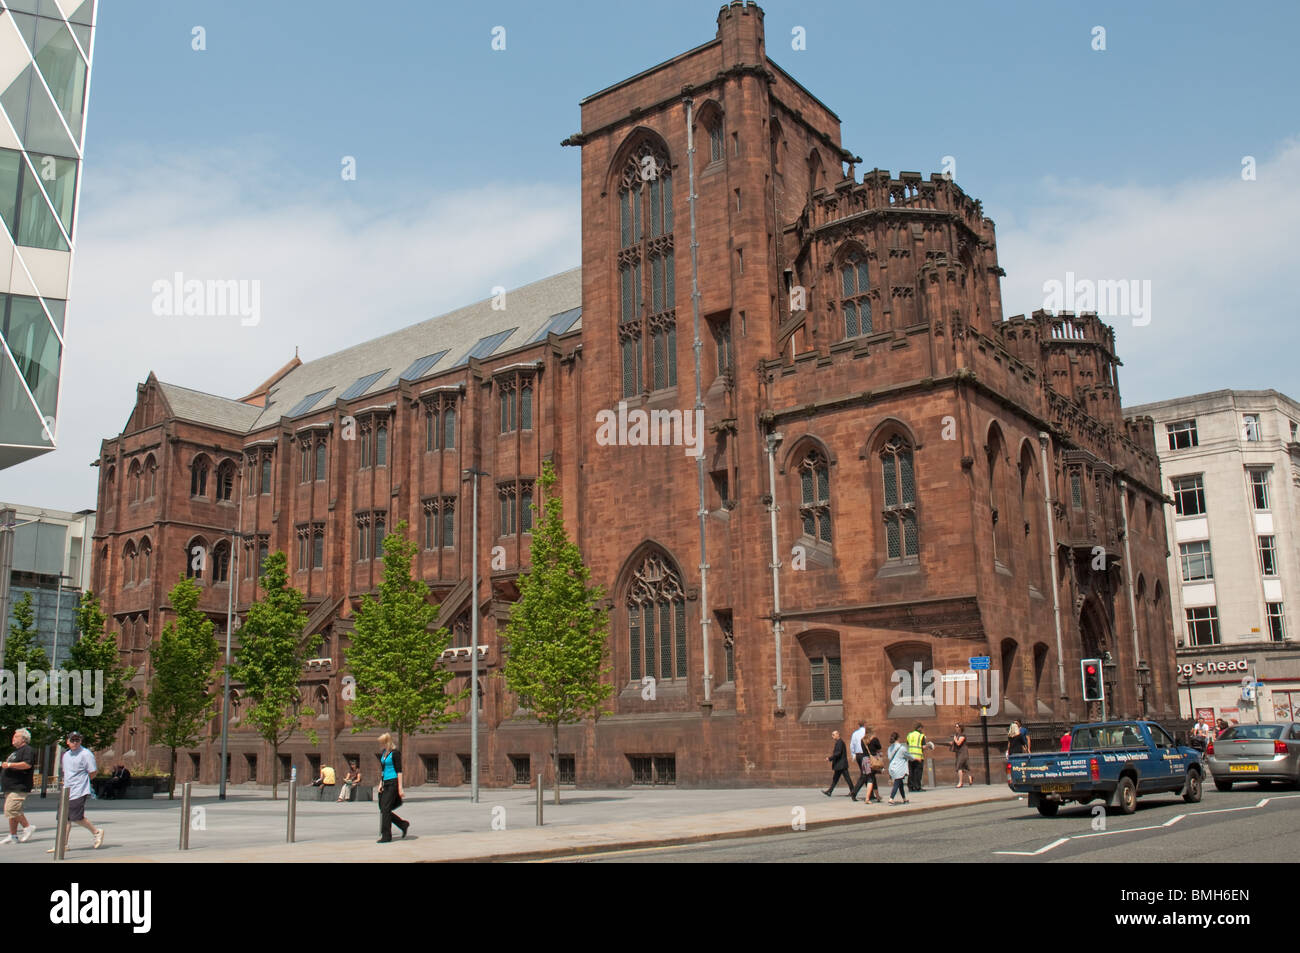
x: 1230, y: 464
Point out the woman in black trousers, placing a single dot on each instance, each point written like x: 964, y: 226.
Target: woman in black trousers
x: 390, y: 789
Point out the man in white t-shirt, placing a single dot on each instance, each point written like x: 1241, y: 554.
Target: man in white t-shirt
x: 78, y: 768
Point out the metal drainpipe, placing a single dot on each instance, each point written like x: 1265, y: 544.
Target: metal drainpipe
x: 705, y: 621
x: 1043, y: 439
x: 1128, y: 572
x: 772, y: 440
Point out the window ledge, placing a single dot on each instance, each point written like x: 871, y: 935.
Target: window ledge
x: 817, y: 551
x: 898, y: 568
x: 815, y: 713
x: 909, y: 712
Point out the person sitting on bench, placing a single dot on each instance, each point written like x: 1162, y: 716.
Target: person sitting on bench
x: 350, y: 780
x: 118, y: 782
x: 326, y: 778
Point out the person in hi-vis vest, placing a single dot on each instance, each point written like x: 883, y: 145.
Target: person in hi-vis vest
x: 916, y: 745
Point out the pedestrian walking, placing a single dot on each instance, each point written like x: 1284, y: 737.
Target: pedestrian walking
x: 870, y: 764
x: 16, y: 783
x: 839, y: 760
x: 916, y: 745
x: 78, y: 768
x: 958, y: 745
x: 1017, y: 739
x: 898, y: 767
x: 390, y: 789
x: 1066, y: 740
x: 856, y: 754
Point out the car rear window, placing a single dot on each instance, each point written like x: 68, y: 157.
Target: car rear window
x: 1255, y: 732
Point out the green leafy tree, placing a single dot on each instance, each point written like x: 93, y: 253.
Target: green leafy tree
x: 96, y: 651
x: 395, y: 657
x: 23, y: 648
x: 555, y: 639
x: 270, y: 659
x: 180, y: 702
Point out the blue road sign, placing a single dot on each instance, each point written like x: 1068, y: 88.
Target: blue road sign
x: 979, y: 663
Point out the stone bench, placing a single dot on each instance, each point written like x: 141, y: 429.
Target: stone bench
x: 330, y: 792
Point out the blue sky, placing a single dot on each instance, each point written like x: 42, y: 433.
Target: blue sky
x: 1123, y: 163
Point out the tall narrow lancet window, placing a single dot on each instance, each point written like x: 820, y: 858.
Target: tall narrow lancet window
x: 815, y: 497
x: 646, y: 272
x: 854, y: 288
x: 899, y: 513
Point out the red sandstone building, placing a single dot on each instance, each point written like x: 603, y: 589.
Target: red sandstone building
x: 946, y: 483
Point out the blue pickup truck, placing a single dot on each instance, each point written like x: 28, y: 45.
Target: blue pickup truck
x: 1114, y: 761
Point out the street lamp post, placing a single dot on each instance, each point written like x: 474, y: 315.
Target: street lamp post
x: 232, y: 577
x: 474, y: 473
x: 1144, y: 683
x: 54, y: 663
x: 1187, y: 680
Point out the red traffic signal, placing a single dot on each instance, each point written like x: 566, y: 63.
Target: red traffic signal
x: 1092, y: 687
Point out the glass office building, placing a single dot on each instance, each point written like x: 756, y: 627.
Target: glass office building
x: 45, y: 55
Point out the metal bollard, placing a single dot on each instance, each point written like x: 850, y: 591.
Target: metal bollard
x: 541, y: 793
x: 293, y: 808
x: 61, y: 834
x: 185, y: 815
x: 929, y: 770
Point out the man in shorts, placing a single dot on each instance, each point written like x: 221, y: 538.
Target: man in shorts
x: 78, y: 768
x: 16, y: 783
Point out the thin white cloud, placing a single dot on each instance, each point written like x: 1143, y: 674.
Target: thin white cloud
x: 1220, y: 256
x: 333, y: 272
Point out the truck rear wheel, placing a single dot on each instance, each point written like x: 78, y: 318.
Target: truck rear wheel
x: 1048, y: 808
x: 1192, y: 792
x: 1126, y: 795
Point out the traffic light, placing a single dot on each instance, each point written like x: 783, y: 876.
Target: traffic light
x: 1091, y: 669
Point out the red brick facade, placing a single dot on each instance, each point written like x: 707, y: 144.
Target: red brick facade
x: 912, y: 521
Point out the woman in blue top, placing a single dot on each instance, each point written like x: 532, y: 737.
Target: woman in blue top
x: 390, y: 789
x: 897, y: 767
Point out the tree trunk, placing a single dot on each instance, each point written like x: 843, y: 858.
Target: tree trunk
x: 171, y: 781
x: 555, y: 760
x: 275, y: 771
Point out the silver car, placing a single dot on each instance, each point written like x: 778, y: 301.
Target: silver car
x: 1264, y: 753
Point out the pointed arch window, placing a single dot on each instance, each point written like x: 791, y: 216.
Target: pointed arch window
x: 128, y: 563
x: 221, y: 562
x: 854, y: 295
x: 199, y: 477
x: 656, y: 607
x: 196, y: 559
x: 225, y: 481
x: 134, y: 481
x: 899, y: 512
x: 146, y: 555
x: 815, y: 496
x: 645, y: 201
x: 151, y: 466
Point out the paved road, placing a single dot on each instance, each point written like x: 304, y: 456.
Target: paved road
x: 1224, y: 827
x: 250, y: 827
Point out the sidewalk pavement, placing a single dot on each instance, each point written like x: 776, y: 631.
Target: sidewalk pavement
x: 249, y: 827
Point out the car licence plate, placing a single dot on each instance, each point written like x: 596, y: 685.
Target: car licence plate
x: 1243, y: 767
x: 1056, y: 788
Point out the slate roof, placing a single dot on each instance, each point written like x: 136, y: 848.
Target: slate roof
x: 527, y: 314
x: 527, y: 310
x: 209, y: 409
